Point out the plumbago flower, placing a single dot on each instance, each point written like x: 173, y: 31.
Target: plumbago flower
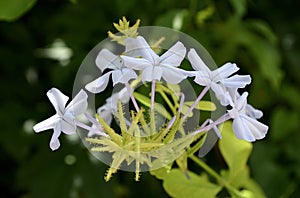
x: 137, y: 142
x: 218, y: 80
x: 155, y: 67
x: 64, y: 119
x: 245, y: 125
x: 120, y: 73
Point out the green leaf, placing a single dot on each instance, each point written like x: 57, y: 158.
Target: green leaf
x: 235, y: 152
x: 177, y: 184
x: 254, y: 189
x: 162, y: 172
x: 13, y: 9
x: 262, y: 28
x: 174, y: 87
x: 203, y: 105
x: 240, y: 7
x: 204, y: 14
x: 173, y: 19
x: 284, y: 123
x: 265, y: 53
x: 239, y: 178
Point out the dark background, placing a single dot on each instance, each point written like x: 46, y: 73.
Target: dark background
x: 262, y: 37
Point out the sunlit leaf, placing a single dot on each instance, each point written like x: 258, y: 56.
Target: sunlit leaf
x: 203, y: 105
x: 162, y: 172
x: 13, y: 9
x: 177, y: 184
x: 235, y: 152
x: 204, y: 14
x: 174, y: 87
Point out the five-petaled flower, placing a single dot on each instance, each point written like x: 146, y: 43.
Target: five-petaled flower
x: 120, y: 73
x: 64, y: 119
x: 245, y: 125
x: 218, y: 80
x: 155, y: 67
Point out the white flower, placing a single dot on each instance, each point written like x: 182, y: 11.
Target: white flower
x: 218, y: 80
x: 233, y: 94
x: 63, y: 120
x: 245, y: 125
x: 120, y: 74
x: 155, y: 67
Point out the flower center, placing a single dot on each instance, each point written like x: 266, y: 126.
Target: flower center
x: 156, y: 62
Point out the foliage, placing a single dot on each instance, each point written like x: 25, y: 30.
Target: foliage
x: 12, y: 10
x: 261, y: 36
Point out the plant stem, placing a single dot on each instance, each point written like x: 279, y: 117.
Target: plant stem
x: 213, y: 173
x: 136, y: 106
x: 209, y: 170
x: 152, y: 95
x: 215, y: 123
x: 203, y: 92
x: 152, y: 114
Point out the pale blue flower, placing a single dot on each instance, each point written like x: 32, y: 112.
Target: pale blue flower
x: 155, y: 67
x: 245, y: 125
x: 64, y: 119
x: 218, y: 80
x: 120, y: 73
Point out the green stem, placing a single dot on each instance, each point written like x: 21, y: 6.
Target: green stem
x: 167, y: 101
x: 209, y: 170
x: 213, y: 173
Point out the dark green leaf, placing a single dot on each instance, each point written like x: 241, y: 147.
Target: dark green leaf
x: 177, y: 184
x: 13, y: 9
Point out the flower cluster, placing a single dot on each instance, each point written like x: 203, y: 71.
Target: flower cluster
x: 138, y: 138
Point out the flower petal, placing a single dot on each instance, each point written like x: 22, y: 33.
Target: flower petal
x: 106, y: 59
x: 151, y: 73
x: 54, y: 142
x: 58, y: 100
x: 241, y: 102
x: 99, y: 84
x: 196, y: 62
x: 236, y: 81
x: 68, y: 126
x: 249, y: 129
x: 174, y: 56
x: 224, y: 71
x: 202, y: 78
x: 140, y: 47
x: 241, y: 130
x: 106, y: 113
x: 124, y: 95
x: 78, y: 105
x: 173, y: 75
x: 252, y: 112
x: 221, y: 93
x: 136, y: 63
x: 123, y: 76
x: 46, y: 124
x: 258, y: 129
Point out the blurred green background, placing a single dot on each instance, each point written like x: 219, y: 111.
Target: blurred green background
x: 262, y: 37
